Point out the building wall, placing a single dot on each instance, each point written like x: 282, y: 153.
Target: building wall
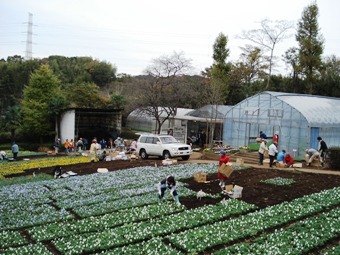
x: 67, y: 125
x: 90, y: 123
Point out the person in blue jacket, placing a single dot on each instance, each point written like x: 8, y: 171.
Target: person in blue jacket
x: 281, y: 155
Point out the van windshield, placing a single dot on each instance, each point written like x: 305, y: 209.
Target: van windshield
x: 168, y: 139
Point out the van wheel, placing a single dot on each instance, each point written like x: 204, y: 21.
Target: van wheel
x: 185, y: 157
x: 166, y: 155
x: 143, y: 154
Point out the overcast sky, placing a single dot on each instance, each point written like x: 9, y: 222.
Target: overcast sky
x: 130, y: 33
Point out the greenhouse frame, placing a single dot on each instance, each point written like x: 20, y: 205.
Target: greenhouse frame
x: 299, y: 119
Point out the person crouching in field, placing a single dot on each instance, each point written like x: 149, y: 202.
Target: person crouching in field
x: 168, y: 183
x: 288, y: 160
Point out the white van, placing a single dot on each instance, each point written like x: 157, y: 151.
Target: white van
x: 165, y: 146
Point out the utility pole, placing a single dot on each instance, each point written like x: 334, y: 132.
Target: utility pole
x: 28, y: 52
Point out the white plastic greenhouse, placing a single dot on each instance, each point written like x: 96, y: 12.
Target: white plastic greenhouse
x: 299, y: 119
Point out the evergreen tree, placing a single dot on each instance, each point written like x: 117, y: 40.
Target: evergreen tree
x: 311, y: 45
x: 42, y: 88
x: 219, y: 71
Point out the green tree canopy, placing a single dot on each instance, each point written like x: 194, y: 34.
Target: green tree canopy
x: 42, y: 88
x: 85, y: 95
x: 11, y: 120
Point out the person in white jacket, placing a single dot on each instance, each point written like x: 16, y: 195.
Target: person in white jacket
x: 272, y: 153
x: 312, y: 153
x: 262, y: 149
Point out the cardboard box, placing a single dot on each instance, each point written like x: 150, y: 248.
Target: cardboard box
x: 297, y: 165
x: 226, y: 169
x: 279, y: 164
x: 266, y: 161
x: 229, y: 188
x: 234, y: 191
x: 315, y: 162
x: 200, y: 177
x: 114, y: 154
x: 240, y: 161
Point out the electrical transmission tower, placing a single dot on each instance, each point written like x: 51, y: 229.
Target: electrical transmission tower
x: 28, y: 52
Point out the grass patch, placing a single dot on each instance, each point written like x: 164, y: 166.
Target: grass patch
x: 25, y: 179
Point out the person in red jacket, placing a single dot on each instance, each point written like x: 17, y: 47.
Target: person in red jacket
x: 276, y: 137
x: 223, y: 159
x: 288, y: 160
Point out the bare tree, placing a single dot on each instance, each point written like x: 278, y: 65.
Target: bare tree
x: 252, y: 64
x: 268, y: 36
x: 213, y: 95
x: 160, y: 93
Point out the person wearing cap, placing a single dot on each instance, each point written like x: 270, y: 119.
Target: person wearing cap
x: 281, y: 156
x: 168, y: 183
x: 3, y: 155
x: 272, y: 153
x: 312, y: 153
x: 223, y: 159
x: 262, y: 149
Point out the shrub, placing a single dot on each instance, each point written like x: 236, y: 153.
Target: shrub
x: 334, y: 158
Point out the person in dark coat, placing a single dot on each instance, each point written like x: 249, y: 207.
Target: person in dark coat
x: 263, y: 135
x: 322, y: 149
x: 203, y: 139
x: 57, y: 172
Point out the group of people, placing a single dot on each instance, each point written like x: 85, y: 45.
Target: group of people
x: 82, y: 145
x: 98, y: 150
x: 286, y: 157
x: 272, y: 151
x: 320, y: 152
x: 70, y: 145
